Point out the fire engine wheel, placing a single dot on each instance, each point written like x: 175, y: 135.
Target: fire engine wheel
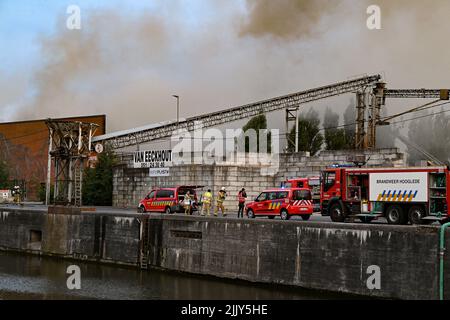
x: 141, y: 209
x: 337, y: 213
x: 284, y: 215
x: 306, y: 217
x: 416, y: 214
x: 168, y: 210
x: 396, y: 215
x: 251, y: 214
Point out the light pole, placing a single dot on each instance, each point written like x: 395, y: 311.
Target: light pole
x: 178, y: 108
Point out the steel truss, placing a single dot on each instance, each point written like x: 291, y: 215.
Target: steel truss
x: 238, y: 113
x: 69, y: 147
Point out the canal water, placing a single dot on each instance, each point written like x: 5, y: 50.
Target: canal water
x: 33, y: 277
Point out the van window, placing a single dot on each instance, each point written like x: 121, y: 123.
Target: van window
x: 301, y: 195
x: 151, y: 195
x: 272, y: 196
x: 282, y: 195
x: 165, y: 194
x: 262, y: 197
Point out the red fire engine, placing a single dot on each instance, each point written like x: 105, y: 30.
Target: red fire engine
x: 416, y: 195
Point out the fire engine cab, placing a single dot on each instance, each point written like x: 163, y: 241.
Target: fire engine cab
x: 401, y: 195
x: 282, y: 202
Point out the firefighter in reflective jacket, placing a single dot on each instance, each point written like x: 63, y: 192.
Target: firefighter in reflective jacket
x: 207, y: 198
x: 242, y: 195
x: 220, y: 199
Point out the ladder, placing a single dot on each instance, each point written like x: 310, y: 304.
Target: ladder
x: 77, y: 186
x: 144, y: 243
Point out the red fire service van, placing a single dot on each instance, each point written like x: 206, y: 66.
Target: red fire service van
x: 312, y: 183
x: 415, y: 195
x: 168, y: 200
x: 282, y: 202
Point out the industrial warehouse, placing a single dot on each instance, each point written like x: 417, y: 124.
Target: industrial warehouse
x: 225, y: 157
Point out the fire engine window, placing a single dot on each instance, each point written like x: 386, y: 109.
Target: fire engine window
x: 302, y: 195
x: 262, y: 197
x: 282, y: 195
x: 151, y: 195
x: 330, y: 178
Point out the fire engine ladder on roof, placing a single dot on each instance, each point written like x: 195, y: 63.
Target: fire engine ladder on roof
x: 144, y: 242
x: 143, y: 135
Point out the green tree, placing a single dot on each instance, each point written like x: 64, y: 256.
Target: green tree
x: 429, y: 134
x: 335, y: 138
x: 4, y: 175
x: 98, y: 181
x: 309, y: 137
x: 258, y: 123
x: 350, y: 124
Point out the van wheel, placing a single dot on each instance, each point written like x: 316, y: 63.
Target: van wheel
x: 416, y: 214
x: 306, y: 217
x: 168, y: 210
x: 395, y: 215
x: 141, y: 209
x: 284, y: 215
x: 250, y: 214
x: 337, y: 212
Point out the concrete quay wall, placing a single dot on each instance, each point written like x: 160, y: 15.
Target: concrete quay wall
x: 313, y: 255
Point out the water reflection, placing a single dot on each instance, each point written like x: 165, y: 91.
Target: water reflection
x: 32, y: 277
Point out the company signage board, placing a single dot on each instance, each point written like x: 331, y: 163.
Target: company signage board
x: 155, y: 159
x: 159, y: 172
x: 399, y: 187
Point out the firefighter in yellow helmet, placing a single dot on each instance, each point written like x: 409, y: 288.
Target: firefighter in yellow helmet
x: 207, y: 199
x: 219, y: 202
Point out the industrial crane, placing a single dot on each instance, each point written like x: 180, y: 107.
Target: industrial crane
x: 366, y: 138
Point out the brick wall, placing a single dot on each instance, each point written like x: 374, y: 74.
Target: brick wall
x: 131, y: 185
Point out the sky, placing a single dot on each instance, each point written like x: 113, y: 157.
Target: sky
x: 130, y: 57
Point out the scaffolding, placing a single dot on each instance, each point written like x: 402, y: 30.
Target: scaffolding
x: 69, y: 147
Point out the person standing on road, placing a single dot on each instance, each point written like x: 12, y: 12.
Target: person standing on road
x: 220, y: 199
x: 187, y: 203
x: 206, y: 203
x: 242, y: 195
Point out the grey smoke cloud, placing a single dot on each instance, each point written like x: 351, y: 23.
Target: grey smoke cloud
x: 129, y: 67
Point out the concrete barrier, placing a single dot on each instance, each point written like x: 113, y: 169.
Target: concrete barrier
x: 324, y: 256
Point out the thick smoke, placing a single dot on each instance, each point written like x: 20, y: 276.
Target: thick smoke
x: 287, y: 19
x: 129, y: 66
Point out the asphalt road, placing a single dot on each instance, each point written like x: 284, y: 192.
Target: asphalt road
x: 316, y: 217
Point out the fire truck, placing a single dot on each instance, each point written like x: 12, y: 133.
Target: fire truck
x: 416, y: 195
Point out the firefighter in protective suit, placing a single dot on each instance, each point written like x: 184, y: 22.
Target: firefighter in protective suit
x: 207, y: 199
x: 219, y: 202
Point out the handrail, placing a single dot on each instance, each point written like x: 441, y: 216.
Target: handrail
x: 441, y: 259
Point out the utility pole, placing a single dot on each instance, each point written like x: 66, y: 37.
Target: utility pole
x: 178, y: 109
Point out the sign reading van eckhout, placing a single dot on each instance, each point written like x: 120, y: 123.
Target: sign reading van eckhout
x: 152, y: 159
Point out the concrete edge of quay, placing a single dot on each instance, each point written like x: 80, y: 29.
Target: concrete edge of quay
x: 312, y: 255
